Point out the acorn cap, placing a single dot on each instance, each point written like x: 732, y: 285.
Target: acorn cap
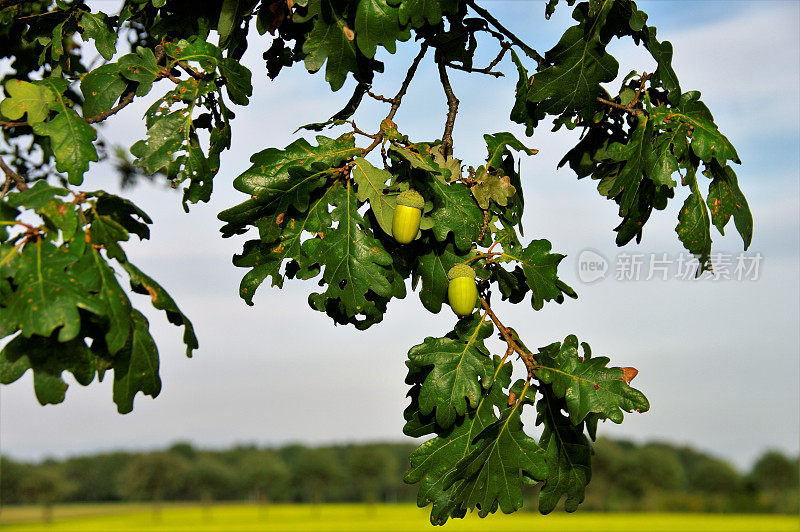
x: 460, y: 270
x: 411, y: 198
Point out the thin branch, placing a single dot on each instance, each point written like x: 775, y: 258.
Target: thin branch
x: 504, y: 47
x: 6, y: 186
x: 398, y: 98
x: 124, y: 101
x: 484, y: 226
x: 360, y: 132
x: 380, y: 97
x: 527, y: 357
x: 485, y: 70
x: 645, y: 77
x: 505, y: 31
x: 11, y: 174
x: 621, y: 107
x: 452, y: 110
x: 191, y: 71
x: 406, y: 82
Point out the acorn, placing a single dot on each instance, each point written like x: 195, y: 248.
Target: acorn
x: 462, y: 292
x: 407, y: 214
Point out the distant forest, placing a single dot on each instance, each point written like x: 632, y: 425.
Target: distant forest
x: 626, y: 477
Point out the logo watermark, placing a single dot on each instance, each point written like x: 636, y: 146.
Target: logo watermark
x: 593, y: 267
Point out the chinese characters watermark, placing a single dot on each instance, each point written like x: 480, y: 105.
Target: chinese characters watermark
x: 593, y: 267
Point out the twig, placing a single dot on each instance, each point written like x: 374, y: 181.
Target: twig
x: 505, y: 31
x: 406, y: 82
x: 398, y: 98
x: 359, y: 131
x: 645, y: 77
x: 504, y: 47
x: 621, y: 107
x: 380, y: 97
x: 189, y: 70
x: 485, y: 70
x: 6, y: 186
x: 484, y: 226
x: 452, y: 110
x: 11, y: 174
x: 527, y: 357
x: 124, y: 101
x: 8, y: 125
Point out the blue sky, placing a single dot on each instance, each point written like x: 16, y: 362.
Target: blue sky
x: 718, y: 360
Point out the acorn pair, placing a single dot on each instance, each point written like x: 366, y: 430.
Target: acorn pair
x: 462, y: 292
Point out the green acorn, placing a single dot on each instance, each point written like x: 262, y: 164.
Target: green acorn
x: 407, y: 214
x: 462, y: 292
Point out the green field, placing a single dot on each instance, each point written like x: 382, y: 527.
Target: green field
x: 359, y: 517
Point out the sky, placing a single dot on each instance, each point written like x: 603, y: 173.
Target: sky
x: 718, y: 359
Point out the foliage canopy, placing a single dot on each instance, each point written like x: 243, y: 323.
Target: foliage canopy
x: 323, y: 209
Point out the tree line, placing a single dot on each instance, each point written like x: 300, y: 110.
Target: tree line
x: 626, y: 477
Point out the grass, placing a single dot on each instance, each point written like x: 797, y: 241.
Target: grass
x: 359, y: 517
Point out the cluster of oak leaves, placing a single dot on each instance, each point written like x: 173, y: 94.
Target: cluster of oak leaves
x: 322, y: 211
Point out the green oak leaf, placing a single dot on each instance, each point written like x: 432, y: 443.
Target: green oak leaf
x: 625, y: 184
x: 197, y: 50
x: 267, y: 256
x: 462, y: 367
x: 136, y: 366
x: 47, y: 296
x: 133, y: 219
x: 48, y: 358
x: 574, y: 70
x: 165, y: 137
x: 586, y: 384
x: 662, y: 53
x: 141, y: 283
x: 491, y: 186
x: 540, y: 268
x: 238, y: 80
x: 287, y: 177
x: 454, y: 211
x: 371, y: 183
x: 492, y: 473
x: 694, y: 224
x: 101, y: 88
x: 25, y: 97
x: 98, y: 277
x: 725, y: 199
x: 140, y: 67
x: 377, y: 23
x: 354, y: 261
x: 227, y: 20
x: 94, y: 26
x: 707, y: 141
x: 498, y: 145
x: 334, y: 41
x: 568, y: 452
x: 421, y: 12
x: 434, y: 460
x: 71, y: 137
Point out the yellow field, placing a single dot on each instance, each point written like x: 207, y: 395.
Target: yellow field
x: 359, y: 517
